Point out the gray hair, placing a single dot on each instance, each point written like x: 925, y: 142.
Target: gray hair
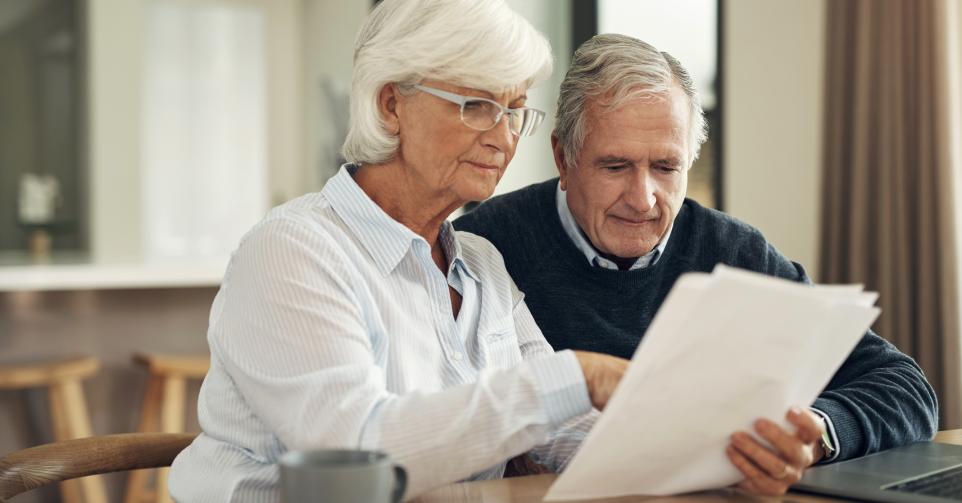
x: 620, y: 68
x: 481, y: 44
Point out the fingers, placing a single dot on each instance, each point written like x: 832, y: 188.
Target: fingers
x: 756, y: 480
x: 771, y: 470
x: 809, y: 426
x: 602, y: 375
x: 797, y: 448
x: 773, y: 466
x: 790, y: 447
x: 612, y: 369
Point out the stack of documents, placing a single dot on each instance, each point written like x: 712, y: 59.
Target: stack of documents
x: 724, y: 350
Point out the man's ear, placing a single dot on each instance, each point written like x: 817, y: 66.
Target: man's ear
x: 559, y: 161
x: 387, y: 102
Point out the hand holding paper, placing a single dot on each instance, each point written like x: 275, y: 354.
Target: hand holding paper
x: 771, y: 469
x: 724, y: 350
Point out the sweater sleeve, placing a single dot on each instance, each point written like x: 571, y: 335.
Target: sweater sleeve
x: 879, y: 398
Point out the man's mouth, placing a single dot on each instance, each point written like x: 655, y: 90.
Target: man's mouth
x: 633, y: 221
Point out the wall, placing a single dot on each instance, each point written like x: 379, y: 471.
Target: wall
x: 533, y: 161
x: 286, y: 94
x: 329, y: 28
x: 115, y: 49
x: 774, y: 54
x: 40, y: 94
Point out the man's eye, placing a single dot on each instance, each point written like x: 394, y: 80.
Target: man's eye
x: 473, y: 105
x: 664, y: 168
x: 616, y: 167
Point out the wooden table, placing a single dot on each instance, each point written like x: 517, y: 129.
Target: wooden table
x: 532, y: 489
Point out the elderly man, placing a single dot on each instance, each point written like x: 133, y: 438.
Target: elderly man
x: 597, y: 250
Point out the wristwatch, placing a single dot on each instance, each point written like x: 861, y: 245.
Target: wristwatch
x: 828, y: 447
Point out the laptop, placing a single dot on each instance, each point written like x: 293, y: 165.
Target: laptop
x: 916, y: 473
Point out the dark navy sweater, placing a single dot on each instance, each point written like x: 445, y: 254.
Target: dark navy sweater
x: 878, y: 399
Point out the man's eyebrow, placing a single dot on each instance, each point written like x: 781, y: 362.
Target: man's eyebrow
x: 671, y: 161
x: 613, y: 159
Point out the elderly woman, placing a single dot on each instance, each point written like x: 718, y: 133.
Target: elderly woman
x: 358, y: 318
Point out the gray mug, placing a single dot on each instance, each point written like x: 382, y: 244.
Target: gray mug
x: 340, y: 476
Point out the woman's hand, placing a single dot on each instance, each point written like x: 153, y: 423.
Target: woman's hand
x: 770, y: 471
x: 602, y: 374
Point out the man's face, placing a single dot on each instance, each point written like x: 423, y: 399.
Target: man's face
x: 630, y: 178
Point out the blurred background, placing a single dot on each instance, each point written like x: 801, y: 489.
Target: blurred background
x: 139, y: 139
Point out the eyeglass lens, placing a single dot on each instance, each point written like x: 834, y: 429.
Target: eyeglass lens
x: 484, y: 115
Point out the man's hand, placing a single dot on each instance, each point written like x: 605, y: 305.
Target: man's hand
x: 602, y: 374
x: 770, y: 472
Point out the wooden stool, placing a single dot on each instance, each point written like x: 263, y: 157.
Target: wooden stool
x: 165, y: 400
x: 68, y: 410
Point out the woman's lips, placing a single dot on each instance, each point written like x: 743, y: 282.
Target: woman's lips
x: 481, y: 165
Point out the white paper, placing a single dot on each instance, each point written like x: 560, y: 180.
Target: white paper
x: 724, y: 350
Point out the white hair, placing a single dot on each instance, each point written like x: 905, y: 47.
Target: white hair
x: 481, y: 44
x: 620, y: 68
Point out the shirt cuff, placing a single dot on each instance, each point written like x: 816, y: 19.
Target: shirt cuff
x: 830, y: 426
x: 561, y: 386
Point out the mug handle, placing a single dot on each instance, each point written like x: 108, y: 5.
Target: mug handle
x: 400, y: 483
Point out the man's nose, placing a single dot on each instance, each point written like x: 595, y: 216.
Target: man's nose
x: 640, y: 192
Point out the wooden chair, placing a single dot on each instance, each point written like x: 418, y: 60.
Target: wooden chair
x: 31, y: 468
x: 63, y: 380
x: 164, y: 410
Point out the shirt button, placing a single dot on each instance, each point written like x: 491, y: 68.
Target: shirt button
x: 458, y: 356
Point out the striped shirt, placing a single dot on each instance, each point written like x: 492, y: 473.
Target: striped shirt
x: 333, y: 328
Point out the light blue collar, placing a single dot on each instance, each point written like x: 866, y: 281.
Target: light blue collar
x: 385, y: 239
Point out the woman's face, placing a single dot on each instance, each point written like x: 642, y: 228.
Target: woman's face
x: 445, y: 156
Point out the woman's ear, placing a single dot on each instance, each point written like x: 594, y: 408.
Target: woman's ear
x: 387, y: 101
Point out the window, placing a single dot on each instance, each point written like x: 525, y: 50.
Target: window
x: 205, y: 127
x: 41, y: 173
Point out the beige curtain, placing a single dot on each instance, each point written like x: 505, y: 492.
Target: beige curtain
x: 891, y: 166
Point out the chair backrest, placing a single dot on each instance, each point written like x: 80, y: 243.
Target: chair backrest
x: 38, y: 466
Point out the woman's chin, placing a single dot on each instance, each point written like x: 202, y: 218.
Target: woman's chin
x: 480, y: 192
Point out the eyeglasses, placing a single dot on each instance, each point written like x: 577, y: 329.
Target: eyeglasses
x: 483, y: 114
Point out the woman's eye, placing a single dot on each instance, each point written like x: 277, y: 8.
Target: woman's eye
x: 473, y: 105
